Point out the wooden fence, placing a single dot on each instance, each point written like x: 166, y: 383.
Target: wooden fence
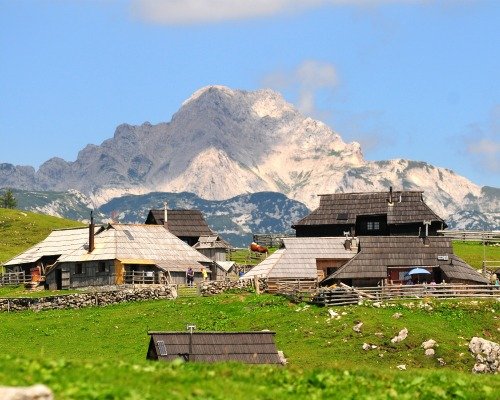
x: 344, y: 294
x: 473, y: 236
x: 14, y: 278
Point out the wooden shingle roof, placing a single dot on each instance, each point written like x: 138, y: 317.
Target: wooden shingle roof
x: 182, y: 223
x: 247, y: 347
x: 298, y: 257
x: 343, y: 208
x: 140, y: 244
x: 377, y: 253
x: 59, y: 242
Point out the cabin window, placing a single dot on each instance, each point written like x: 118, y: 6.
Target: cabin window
x: 78, y: 269
x: 373, y: 226
x: 101, y: 266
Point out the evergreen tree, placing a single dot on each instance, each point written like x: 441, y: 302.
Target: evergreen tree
x: 8, y: 200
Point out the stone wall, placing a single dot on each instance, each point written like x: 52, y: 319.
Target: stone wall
x: 90, y: 299
x: 210, y: 288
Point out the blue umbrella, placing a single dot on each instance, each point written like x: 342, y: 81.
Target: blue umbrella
x: 416, y: 271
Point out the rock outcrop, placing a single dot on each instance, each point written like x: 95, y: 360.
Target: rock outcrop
x: 487, y: 355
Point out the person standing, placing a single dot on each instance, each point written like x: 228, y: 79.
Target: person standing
x: 190, y: 276
x: 204, y: 273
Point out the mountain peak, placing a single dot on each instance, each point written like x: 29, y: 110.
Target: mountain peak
x: 209, y: 89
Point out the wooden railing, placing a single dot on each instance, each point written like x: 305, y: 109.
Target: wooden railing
x: 348, y: 295
x: 140, y: 278
x: 14, y: 278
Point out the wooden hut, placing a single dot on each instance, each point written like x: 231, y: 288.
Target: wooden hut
x: 127, y: 253
x: 213, y: 247
x: 246, y: 347
x: 45, y: 253
x: 309, y: 259
x: 388, y: 259
x: 187, y: 225
x: 392, y: 213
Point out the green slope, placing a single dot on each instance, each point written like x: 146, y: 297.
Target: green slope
x: 19, y: 230
x: 99, y: 353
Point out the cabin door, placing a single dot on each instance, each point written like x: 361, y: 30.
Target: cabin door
x: 62, y: 279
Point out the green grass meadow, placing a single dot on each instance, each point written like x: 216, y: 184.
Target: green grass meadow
x: 99, y: 353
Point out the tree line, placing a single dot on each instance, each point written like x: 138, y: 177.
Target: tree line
x: 7, y: 199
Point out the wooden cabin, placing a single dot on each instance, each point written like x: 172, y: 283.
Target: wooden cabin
x: 246, y: 347
x: 388, y: 259
x: 187, y: 225
x: 127, y: 254
x: 308, y: 259
x: 392, y: 213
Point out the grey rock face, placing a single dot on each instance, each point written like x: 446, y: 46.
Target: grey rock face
x: 223, y: 143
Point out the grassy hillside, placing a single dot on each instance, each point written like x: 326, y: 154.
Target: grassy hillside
x: 473, y: 252
x: 19, y: 230
x: 99, y: 353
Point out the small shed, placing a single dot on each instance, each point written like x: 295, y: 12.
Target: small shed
x: 225, y: 270
x: 213, y: 247
x: 246, y: 347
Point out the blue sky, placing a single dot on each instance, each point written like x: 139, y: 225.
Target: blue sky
x: 406, y: 78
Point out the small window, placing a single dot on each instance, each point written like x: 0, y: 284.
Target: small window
x: 161, y: 347
x: 101, y: 266
x: 78, y: 269
x: 343, y: 216
x: 372, y: 225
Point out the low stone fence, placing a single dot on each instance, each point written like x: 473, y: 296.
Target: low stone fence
x: 210, y: 288
x: 89, y: 299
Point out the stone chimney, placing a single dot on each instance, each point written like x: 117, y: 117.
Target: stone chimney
x: 390, y: 194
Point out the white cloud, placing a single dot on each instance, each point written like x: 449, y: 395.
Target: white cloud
x: 181, y: 12
x: 306, y: 81
x: 483, y: 145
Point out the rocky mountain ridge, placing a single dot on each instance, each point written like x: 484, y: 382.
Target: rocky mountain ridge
x: 223, y: 143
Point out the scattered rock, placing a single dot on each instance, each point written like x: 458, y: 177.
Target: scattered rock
x: 441, y: 361
x: 333, y: 314
x: 377, y: 304
x: 397, y: 315
x: 429, y: 344
x: 403, y: 333
x: 429, y: 352
x: 402, y: 367
x: 357, y: 327
x: 366, y: 346
x: 487, y: 355
x: 282, y: 357
x: 36, y: 392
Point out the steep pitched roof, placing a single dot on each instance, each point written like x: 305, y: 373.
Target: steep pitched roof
x: 343, y: 208
x: 182, y: 223
x: 298, y: 257
x: 211, y: 242
x: 247, y: 347
x: 379, y: 252
x: 141, y: 244
x: 59, y: 242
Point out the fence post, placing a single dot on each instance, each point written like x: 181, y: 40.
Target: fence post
x: 256, y: 281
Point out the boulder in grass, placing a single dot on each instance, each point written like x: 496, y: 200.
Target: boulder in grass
x: 36, y: 392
